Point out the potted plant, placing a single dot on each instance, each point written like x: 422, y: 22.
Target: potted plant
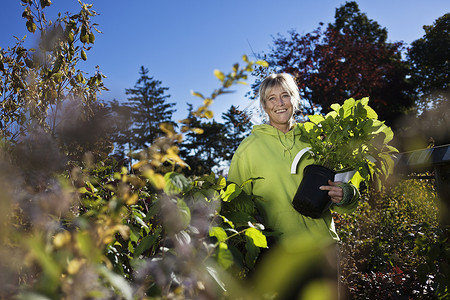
x: 349, y: 138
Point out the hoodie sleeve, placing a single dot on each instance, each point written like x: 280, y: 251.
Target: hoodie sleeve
x: 349, y: 201
x: 238, y: 172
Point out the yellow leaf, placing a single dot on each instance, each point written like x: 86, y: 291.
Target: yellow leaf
x: 167, y: 128
x: 130, y: 200
x: 197, y: 130
x: 207, y: 102
x: 61, y: 239
x: 83, y: 55
x: 196, y: 94
x: 209, y: 114
x: 139, y: 164
x: 219, y: 75
x: 245, y: 58
x: 262, y: 63
x: 157, y: 180
x: 75, y: 265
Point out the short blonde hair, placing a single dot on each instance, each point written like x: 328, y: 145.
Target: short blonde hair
x: 285, y: 81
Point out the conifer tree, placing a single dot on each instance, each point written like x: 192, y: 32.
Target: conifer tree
x: 237, y: 127
x: 202, y: 152
x: 149, y: 108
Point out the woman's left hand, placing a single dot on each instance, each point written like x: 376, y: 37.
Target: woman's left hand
x: 336, y: 193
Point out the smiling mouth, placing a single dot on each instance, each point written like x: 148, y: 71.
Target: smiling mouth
x: 281, y: 111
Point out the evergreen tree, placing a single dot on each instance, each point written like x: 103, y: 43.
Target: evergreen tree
x: 202, y: 152
x: 236, y: 127
x: 149, y: 108
x: 121, y: 122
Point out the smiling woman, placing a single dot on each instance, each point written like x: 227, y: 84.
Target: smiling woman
x: 268, y: 153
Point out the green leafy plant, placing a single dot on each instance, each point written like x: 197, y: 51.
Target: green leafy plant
x: 351, y: 137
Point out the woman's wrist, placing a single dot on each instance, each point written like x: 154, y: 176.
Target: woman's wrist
x: 348, y: 192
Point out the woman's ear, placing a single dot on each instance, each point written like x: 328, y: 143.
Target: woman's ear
x: 263, y: 105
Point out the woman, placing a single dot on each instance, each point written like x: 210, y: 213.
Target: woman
x: 268, y: 152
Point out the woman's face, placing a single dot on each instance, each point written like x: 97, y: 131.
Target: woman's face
x: 279, y: 108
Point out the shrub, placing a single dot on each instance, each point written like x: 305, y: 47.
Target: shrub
x: 393, y: 246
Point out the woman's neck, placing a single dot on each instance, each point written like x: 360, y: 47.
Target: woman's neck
x: 284, y: 128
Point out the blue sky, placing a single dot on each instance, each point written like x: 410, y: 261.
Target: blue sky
x: 181, y: 42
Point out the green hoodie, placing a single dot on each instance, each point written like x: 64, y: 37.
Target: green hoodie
x: 269, y: 153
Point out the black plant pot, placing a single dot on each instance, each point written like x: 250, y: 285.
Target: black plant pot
x: 309, y: 199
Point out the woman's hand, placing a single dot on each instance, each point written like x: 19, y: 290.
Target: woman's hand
x: 336, y: 193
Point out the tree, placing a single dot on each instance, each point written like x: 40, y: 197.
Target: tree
x: 350, y: 58
x: 121, y: 122
x: 35, y: 84
x: 236, y: 127
x: 148, y: 109
x: 203, y: 148
x: 429, y: 57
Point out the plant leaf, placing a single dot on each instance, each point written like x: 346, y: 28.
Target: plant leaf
x: 219, y: 233
x: 258, y: 238
x: 232, y: 191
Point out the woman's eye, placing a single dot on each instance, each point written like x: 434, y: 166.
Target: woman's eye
x: 286, y: 96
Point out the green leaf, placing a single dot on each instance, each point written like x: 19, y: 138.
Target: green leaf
x: 226, y: 221
x: 87, y: 246
x: 224, y: 256
x: 389, y: 134
x: 316, y: 119
x: 134, y: 234
x: 32, y: 296
x: 231, y: 192
x: 118, y: 282
x: 252, y: 252
x: 371, y: 114
x: 146, y: 243
x: 348, y: 104
x: 308, y: 126
x: 219, y: 233
x: 241, y: 218
x: 249, y: 181
x: 185, y: 212
x: 365, y: 101
x: 175, y: 183
x: 335, y: 107
x: 258, y: 238
x: 221, y: 183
